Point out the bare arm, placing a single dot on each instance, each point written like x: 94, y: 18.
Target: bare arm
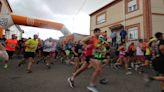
x: 83, y: 41
x: 73, y: 50
x: 2, y: 47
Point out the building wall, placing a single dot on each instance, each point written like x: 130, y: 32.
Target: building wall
x: 4, y: 9
x: 136, y: 13
x: 116, y: 14
x: 14, y: 30
x: 157, y: 6
x: 157, y: 16
x: 157, y: 23
x: 116, y: 10
x: 137, y: 20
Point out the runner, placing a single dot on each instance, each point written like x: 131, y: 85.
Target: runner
x: 158, y: 61
x: 3, y: 55
x: 101, y: 55
x: 158, y: 66
x: 140, y: 56
x: 30, y: 49
x: 89, y: 48
x: 77, y: 51
x: 11, y: 45
x: 39, y: 51
x: 47, y: 51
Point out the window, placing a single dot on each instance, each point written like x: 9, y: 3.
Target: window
x: 133, y: 33
x: 132, y: 5
x: 0, y: 6
x: 101, y: 18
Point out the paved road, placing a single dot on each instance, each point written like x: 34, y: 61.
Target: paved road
x: 15, y: 79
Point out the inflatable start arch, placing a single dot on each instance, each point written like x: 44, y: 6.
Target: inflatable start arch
x: 8, y: 20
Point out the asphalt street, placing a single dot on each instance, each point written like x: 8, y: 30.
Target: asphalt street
x: 15, y: 79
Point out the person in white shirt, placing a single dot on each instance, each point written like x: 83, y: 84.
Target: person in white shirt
x: 47, y: 51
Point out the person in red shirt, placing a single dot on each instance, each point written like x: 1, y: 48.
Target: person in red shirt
x: 11, y: 45
x: 89, y: 44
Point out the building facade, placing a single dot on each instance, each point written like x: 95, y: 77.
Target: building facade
x: 140, y: 18
x: 5, y: 9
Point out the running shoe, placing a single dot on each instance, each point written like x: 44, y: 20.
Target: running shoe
x: 20, y: 63
x: 104, y: 81
x: 128, y: 73
x: 29, y: 71
x: 38, y: 62
x: 71, y: 82
x: 6, y: 66
x: 93, y: 89
x: 48, y: 67
x: 52, y: 63
x: 148, y: 80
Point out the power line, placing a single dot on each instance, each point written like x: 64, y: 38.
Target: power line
x: 81, y: 7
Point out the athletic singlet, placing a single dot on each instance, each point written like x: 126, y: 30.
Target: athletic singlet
x: 139, y: 51
x: 148, y: 52
x: 88, y: 51
x: 100, y: 55
x: 122, y: 51
x: 91, y: 46
x: 11, y: 44
x: 95, y: 41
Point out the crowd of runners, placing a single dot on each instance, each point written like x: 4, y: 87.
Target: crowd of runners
x: 91, y: 52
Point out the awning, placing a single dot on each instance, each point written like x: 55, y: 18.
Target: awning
x: 116, y: 27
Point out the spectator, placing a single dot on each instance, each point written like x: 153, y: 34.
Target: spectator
x: 113, y: 37
x: 123, y: 34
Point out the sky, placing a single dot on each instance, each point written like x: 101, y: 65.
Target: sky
x: 74, y: 14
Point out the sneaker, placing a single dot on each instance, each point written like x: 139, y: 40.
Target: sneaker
x: 103, y: 81
x: 128, y: 73
x: 38, y: 62
x: 71, y: 82
x: 20, y: 63
x: 48, y: 66
x: 29, y: 71
x: 52, y: 63
x: 148, y: 80
x: 93, y: 89
x: 6, y: 66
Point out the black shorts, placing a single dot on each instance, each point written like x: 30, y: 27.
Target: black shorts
x: 10, y: 53
x: 130, y: 53
x: 39, y: 49
x: 88, y: 58
x: 148, y: 57
x: 158, y: 64
x: 45, y: 54
x: 79, y: 54
x: 29, y: 54
x: 101, y: 59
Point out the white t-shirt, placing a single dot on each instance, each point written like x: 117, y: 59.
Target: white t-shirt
x: 139, y: 51
x: 53, y: 46
x: 47, y: 46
